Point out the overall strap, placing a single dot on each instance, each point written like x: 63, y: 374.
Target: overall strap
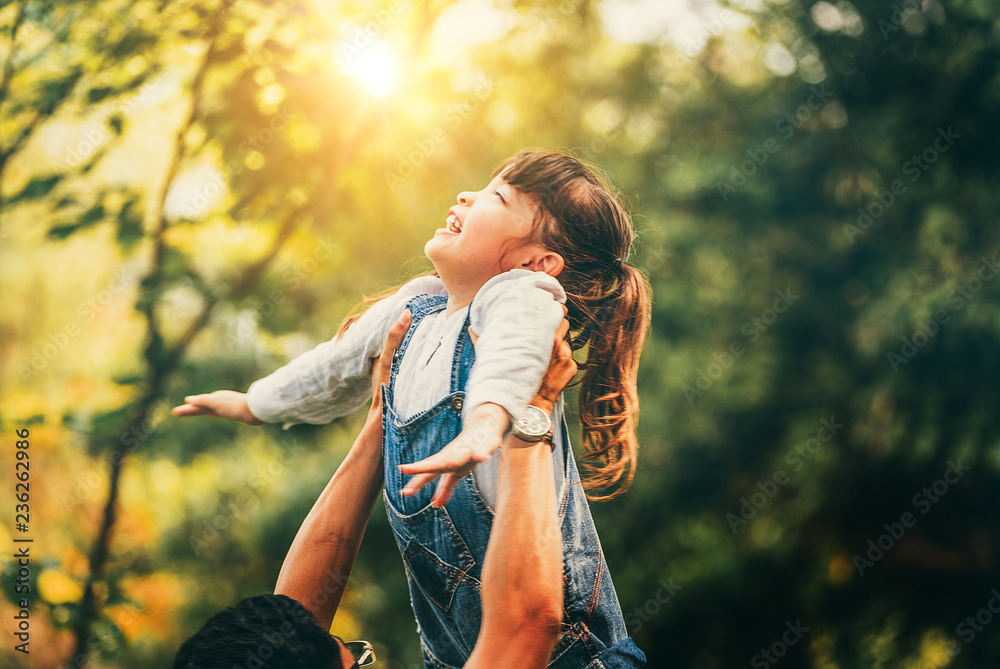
x: 420, y: 306
x: 465, y: 355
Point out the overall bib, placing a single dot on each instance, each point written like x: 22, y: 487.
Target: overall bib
x: 443, y: 549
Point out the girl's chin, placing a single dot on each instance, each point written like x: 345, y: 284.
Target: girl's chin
x: 440, y: 244
x: 435, y: 254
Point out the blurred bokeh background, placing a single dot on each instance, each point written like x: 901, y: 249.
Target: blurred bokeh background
x: 193, y: 192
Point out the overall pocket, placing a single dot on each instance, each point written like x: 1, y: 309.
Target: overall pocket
x: 411, y: 441
x: 444, y: 594
x: 436, y: 557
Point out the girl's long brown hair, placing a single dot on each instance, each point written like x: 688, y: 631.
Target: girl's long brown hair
x: 608, y: 304
x: 580, y: 218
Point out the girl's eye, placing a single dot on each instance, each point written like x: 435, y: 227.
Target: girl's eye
x: 499, y: 195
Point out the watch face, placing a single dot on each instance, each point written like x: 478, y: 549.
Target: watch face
x: 533, y: 422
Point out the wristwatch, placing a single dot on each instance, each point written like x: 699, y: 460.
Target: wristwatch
x: 533, y: 425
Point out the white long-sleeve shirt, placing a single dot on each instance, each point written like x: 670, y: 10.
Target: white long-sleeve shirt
x: 515, y: 316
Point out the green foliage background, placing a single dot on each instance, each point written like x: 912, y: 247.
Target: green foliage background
x: 193, y: 192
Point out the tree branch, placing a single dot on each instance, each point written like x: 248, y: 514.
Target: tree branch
x: 159, y: 372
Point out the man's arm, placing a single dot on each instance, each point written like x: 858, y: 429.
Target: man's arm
x: 322, y: 555
x: 522, y: 575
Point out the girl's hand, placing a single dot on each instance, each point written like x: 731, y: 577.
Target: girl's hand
x: 482, y: 434
x: 221, y: 404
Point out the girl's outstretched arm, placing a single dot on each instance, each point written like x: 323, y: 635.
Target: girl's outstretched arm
x: 222, y: 404
x: 322, y: 555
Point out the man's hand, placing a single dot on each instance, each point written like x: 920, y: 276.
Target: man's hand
x: 484, y: 428
x: 562, y: 369
x: 221, y: 404
x: 382, y: 368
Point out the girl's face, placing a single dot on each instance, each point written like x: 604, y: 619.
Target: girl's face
x: 485, y: 234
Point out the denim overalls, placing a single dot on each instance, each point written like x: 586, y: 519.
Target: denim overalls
x: 443, y: 549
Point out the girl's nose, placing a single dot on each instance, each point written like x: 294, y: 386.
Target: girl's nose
x: 466, y: 198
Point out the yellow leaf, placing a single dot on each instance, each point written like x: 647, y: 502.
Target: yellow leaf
x: 58, y: 588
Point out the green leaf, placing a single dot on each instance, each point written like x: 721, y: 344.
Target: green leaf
x: 129, y: 225
x: 175, y: 265
x: 91, y: 217
x: 149, y: 291
x: 94, y: 159
x: 37, y: 188
x: 63, y: 231
x: 110, y: 422
x: 135, y: 41
x: 129, y: 379
x: 54, y: 91
x: 104, y: 430
x: 97, y: 94
x: 35, y: 12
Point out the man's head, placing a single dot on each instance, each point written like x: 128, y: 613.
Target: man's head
x: 261, y: 632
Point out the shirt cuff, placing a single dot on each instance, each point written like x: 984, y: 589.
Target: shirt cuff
x: 510, y: 403
x: 263, y: 405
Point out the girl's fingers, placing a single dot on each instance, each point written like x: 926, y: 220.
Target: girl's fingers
x: 189, y: 410
x: 445, y: 487
x: 206, y: 402
x: 447, y: 482
x: 446, y: 460
x: 418, y: 482
x: 431, y: 465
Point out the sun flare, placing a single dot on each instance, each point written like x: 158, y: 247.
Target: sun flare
x: 373, y: 63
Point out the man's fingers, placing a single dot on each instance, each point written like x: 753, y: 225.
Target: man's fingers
x: 380, y: 372
x: 396, y: 333
x: 562, y: 329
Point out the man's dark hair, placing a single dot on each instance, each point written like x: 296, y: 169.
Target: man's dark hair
x: 261, y: 631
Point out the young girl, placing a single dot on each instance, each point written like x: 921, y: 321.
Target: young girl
x: 543, y: 217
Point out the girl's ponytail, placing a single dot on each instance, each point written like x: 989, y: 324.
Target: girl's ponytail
x: 609, y: 399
